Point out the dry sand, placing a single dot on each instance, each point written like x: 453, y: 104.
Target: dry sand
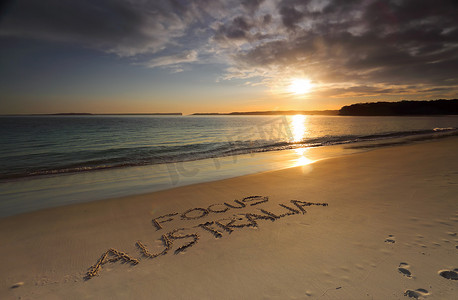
x: 388, y: 231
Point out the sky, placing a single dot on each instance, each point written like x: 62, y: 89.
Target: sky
x: 138, y: 56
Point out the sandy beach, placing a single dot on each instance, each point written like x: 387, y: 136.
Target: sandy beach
x: 381, y: 224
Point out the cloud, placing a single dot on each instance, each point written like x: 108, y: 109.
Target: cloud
x: 237, y: 29
x: 349, y: 46
x: 370, y: 42
x: 251, y: 5
x: 172, y: 60
x: 290, y: 16
x: 126, y: 28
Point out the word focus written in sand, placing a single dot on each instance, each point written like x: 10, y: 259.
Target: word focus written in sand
x: 217, y: 228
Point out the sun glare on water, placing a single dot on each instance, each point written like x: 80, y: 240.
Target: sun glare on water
x: 298, y: 130
x: 300, y: 86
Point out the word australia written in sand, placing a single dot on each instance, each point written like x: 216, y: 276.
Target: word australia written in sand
x: 183, y: 238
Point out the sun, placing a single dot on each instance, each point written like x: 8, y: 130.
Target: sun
x: 300, y: 86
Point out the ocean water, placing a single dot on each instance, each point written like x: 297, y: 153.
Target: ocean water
x: 43, y: 145
x: 49, y: 161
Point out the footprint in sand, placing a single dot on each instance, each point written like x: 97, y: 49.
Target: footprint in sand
x: 390, y: 239
x: 449, y: 274
x: 16, y: 285
x: 404, y: 269
x: 418, y: 293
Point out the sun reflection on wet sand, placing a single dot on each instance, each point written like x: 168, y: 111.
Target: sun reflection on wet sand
x: 302, y: 159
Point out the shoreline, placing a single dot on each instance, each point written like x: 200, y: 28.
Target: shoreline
x: 34, y: 193
x: 48, y: 191
x: 390, y: 228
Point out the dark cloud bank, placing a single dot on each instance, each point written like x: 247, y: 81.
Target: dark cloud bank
x: 357, y: 47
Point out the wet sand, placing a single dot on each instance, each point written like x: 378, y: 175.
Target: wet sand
x: 376, y: 225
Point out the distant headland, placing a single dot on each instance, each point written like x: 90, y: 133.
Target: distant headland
x: 383, y: 108
x: 402, y: 108
x: 262, y: 113
x: 118, y: 114
x: 108, y: 114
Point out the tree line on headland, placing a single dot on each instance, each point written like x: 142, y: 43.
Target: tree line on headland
x: 402, y: 108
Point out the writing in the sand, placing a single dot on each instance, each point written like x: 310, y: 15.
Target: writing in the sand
x: 184, y: 238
